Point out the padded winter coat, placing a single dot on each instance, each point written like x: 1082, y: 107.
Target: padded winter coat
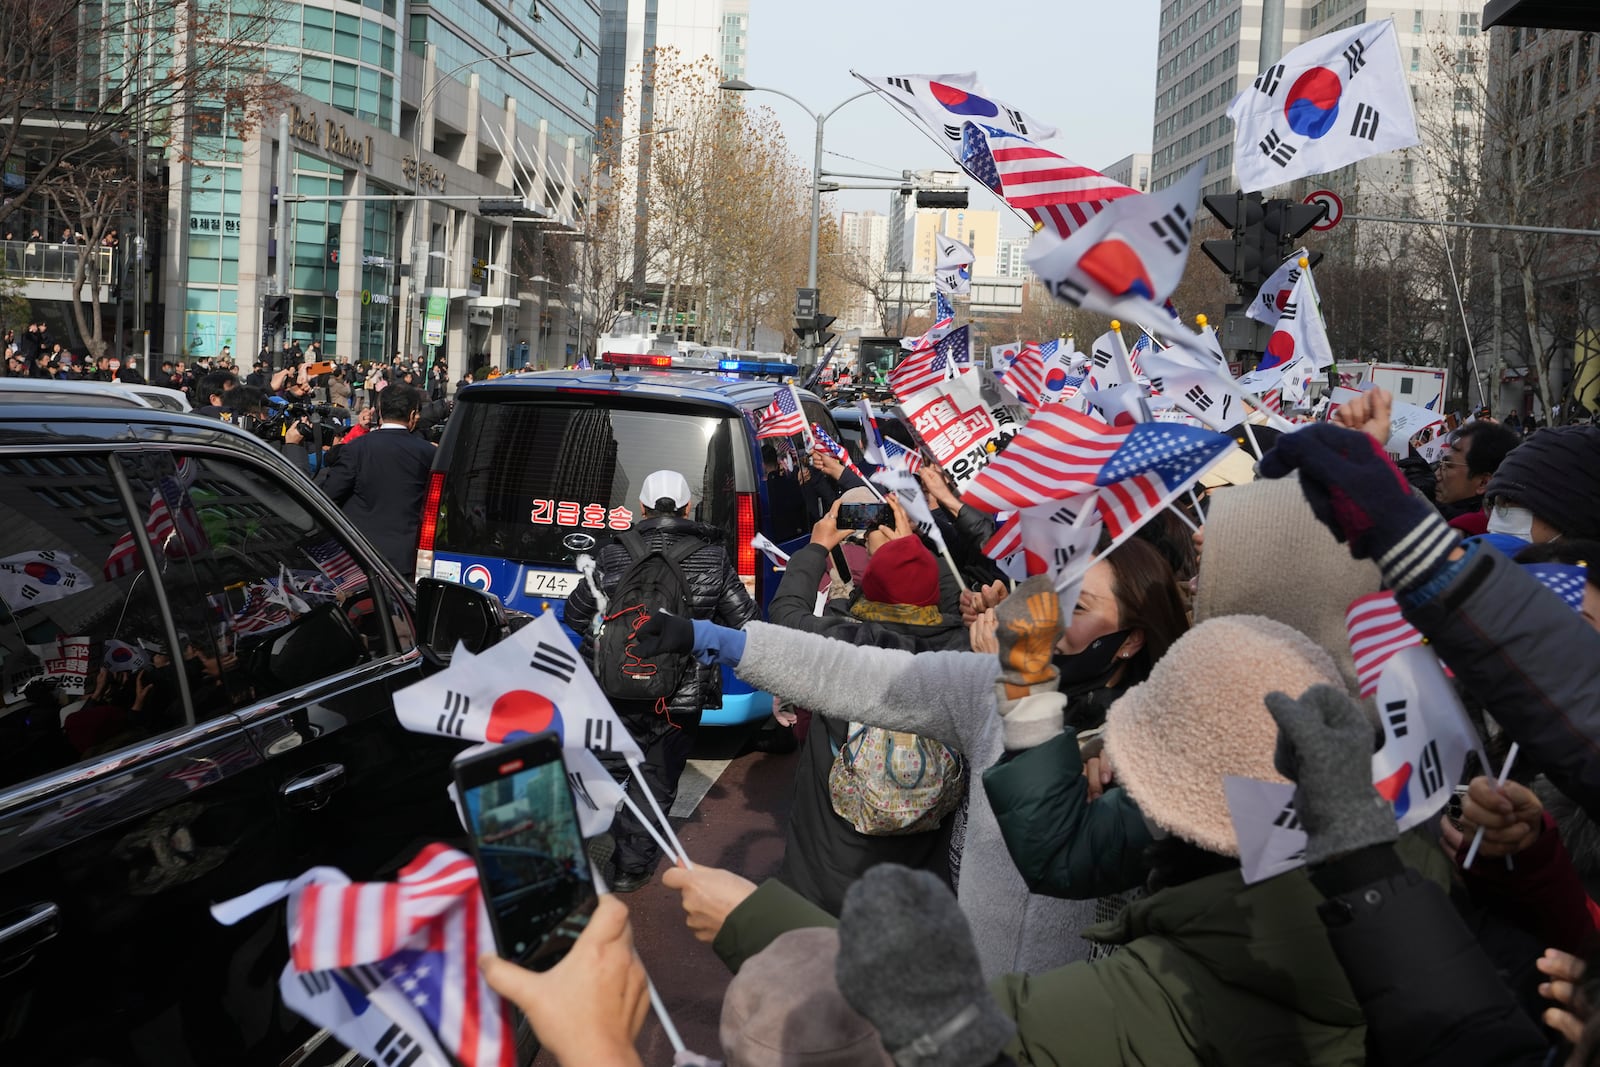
x: 715, y: 593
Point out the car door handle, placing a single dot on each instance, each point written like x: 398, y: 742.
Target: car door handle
x: 312, y: 789
x: 41, y: 923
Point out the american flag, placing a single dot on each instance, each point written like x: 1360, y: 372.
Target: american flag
x: 928, y: 366
x: 1177, y: 454
x: 1377, y: 631
x: 1057, y: 454
x: 1156, y: 461
x: 262, y: 612
x: 1026, y: 376
x: 1007, y: 538
x: 1565, y: 580
x: 827, y: 444
x: 1144, y: 344
x: 172, y: 525
x: 782, y: 417
x: 1272, y: 400
x: 898, y: 455
x: 1047, y: 187
x: 942, y: 311
x: 332, y: 560
x: 421, y: 937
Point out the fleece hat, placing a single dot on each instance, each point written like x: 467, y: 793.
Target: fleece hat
x: 784, y: 1009
x: 665, y: 485
x: 902, y: 572
x: 1556, y: 475
x: 1266, y: 554
x: 908, y: 965
x: 1202, y: 716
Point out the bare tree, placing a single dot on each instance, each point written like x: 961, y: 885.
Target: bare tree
x: 81, y: 83
x: 1512, y: 149
x: 95, y: 198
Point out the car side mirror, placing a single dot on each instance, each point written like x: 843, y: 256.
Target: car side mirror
x: 449, y: 613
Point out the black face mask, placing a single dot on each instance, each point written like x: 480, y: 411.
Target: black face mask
x: 1092, y: 662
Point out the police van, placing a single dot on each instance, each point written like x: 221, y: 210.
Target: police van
x: 538, y: 469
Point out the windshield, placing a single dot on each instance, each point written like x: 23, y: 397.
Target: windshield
x: 524, y: 475
x: 879, y: 355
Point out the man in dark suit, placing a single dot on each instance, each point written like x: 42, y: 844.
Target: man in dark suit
x: 381, y: 478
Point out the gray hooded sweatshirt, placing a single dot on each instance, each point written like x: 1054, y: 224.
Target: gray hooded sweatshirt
x: 949, y: 697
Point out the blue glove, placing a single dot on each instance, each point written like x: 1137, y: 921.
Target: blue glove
x: 718, y: 644
x: 709, y: 643
x: 1358, y: 494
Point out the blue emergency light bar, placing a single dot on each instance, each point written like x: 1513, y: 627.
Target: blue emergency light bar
x: 747, y: 366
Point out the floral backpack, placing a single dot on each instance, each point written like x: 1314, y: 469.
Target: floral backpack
x: 886, y: 782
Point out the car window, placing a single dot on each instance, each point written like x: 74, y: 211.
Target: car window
x: 524, y: 475
x: 84, y: 647
x: 267, y: 596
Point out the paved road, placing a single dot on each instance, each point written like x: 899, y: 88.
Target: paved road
x: 739, y: 825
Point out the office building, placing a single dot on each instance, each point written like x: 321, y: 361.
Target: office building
x: 1132, y: 171
x: 395, y: 122
x: 1009, y: 262
x: 864, y: 242
x: 632, y: 33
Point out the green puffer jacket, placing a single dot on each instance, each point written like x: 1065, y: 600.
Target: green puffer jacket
x: 1212, y: 972
x: 1064, y: 845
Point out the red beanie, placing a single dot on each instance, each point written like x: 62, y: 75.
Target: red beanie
x: 902, y: 572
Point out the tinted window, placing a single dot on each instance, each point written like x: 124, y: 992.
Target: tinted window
x: 84, y: 648
x: 525, y: 474
x: 266, y: 597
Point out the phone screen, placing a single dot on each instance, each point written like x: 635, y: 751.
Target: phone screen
x: 531, y: 859
x: 863, y: 516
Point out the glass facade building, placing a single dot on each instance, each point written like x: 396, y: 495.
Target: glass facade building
x: 399, y: 116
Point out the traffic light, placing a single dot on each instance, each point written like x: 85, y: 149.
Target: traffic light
x: 1240, y: 255
x: 275, y: 311
x: 1286, y: 221
x: 823, y: 322
x: 953, y: 197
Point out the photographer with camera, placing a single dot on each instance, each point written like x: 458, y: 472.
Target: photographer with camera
x: 381, y: 478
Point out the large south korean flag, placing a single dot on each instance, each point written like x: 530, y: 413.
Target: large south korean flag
x: 1334, y: 100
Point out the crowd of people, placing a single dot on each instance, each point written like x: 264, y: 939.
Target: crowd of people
x: 1062, y: 881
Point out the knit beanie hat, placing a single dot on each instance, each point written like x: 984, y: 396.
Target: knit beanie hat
x: 784, y: 1009
x: 1266, y: 554
x: 1556, y: 475
x: 902, y: 572
x: 1202, y: 716
x: 908, y: 965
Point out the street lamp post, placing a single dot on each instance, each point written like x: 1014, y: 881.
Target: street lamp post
x: 736, y: 85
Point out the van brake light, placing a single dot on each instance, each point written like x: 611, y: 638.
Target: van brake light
x: 746, y: 564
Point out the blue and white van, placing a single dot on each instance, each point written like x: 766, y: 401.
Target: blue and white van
x: 538, y: 469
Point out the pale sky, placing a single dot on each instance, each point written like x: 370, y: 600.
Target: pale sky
x: 1086, y: 66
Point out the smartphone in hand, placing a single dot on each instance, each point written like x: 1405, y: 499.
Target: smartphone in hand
x: 524, y: 835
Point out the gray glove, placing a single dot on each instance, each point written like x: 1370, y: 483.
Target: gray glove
x: 1325, y: 748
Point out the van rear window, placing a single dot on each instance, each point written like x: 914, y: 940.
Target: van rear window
x: 525, y: 475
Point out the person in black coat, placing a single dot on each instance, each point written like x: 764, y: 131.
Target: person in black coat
x: 381, y: 479
x: 665, y: 730
x: 905, y: 600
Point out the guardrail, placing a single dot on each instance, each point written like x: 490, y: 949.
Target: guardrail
x: 44, y: 261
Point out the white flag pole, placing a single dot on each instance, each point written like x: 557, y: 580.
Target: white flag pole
x: 661, y: 1015
x: 655, y: 835
x: 1477, y: 838
x: 1173, y: 507
x: 666, y: 827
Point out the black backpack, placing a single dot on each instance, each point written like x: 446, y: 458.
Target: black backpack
x: 653, y: 582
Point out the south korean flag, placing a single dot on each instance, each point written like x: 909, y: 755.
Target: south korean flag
x: 1126, y: 260
x: 1334, y: 100
x: 944, y: 103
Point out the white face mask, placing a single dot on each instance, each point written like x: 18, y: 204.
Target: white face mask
x: 1509, y: 519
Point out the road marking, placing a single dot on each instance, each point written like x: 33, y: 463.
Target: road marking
x: 699, y: 775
